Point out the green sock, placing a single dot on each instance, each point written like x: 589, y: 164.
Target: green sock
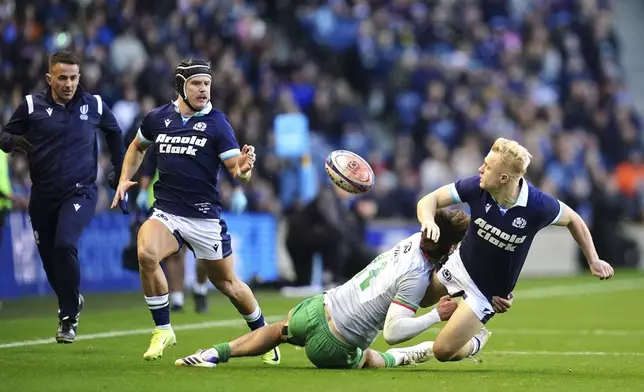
x: 223, y: 349
x: 390, y: 361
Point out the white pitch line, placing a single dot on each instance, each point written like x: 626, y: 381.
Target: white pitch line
x: 565, y: 353
x: 241, y: 323
x: 545, y: 292
x: 555, y: 332
x: 584, y: 332
x: 139, y: 331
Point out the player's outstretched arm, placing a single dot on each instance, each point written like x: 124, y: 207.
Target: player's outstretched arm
x: 401, y: 325
x: 131, y: 163
x: 427, y: 206
x: 579, y: 231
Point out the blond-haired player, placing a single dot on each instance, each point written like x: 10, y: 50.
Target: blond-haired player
x: 507, y: 212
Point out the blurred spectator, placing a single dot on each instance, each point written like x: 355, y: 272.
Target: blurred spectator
x: 629, y: 178
x: 333, y: 226
x: 20, y: 183
x: 5, y: 191
x: 420, y: 88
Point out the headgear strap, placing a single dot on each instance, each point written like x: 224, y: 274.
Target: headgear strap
x: 184, y: 73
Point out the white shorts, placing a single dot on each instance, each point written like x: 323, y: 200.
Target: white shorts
x: 207, y: 238
x: 455, y: 278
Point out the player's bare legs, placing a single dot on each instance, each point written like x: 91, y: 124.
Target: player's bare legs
x: 202, y: 272
x: 252, y: 344
x: 257, y: 342
x: 222, y: 275
x: 175, y: 274
x: 372, y: 360
x: 200, y: 289
x: 269, y: 337
x: 456, y: 340
x: 461, y: 337
x: 155, y: 243
x: 175, y: 267
x: 395, y: 357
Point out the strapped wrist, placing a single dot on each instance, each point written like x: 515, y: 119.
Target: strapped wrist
x: 241, y: 175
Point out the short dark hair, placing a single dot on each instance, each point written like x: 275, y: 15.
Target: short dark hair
x: 453, y: 225
x: 63, y: 57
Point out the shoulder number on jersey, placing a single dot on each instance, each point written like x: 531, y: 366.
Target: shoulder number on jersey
x: 373, y: 269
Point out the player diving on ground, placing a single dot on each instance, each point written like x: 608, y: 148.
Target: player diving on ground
x: 338, y: 327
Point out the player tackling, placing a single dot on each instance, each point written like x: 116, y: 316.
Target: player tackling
x: 337, y: 328
x: 191, y: 140
x: 506, y: 214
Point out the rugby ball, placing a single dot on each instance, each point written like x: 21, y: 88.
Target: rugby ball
x: 349, y: 171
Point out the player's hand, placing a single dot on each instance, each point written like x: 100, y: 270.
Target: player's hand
x: 446, y: 307
x: 601, y: 269
x: 430, y: 230
x: 247, y: 160
x: 121, y: 192
x: 20, y: 145
x: 502, y: 305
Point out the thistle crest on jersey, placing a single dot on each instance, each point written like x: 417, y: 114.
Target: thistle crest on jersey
x: 200, y: 126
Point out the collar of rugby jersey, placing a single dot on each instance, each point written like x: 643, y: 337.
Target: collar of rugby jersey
x: 522, y: 200
x: 200, y: 113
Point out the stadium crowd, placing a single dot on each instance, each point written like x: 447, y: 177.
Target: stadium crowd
x: 420, y: 88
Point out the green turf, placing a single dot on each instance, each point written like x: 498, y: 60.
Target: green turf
x: 589, y: 341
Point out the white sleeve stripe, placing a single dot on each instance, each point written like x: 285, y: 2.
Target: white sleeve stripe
x: 229, y: 154
x: 30, y: 103
x: 455, y: 197
x: 559, y: 215
x: 142, y: 138
x: 99, y: 100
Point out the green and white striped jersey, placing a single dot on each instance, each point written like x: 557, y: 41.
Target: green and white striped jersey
x: 359, y: 307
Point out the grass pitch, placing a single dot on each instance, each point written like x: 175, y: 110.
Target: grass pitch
x: 573, y: 334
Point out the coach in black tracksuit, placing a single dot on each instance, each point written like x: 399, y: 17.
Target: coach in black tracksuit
x: 57, y: 131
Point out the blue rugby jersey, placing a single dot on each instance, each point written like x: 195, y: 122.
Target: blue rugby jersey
x: 64, y: 145
x: 189, y: 152
x: 498, y: 240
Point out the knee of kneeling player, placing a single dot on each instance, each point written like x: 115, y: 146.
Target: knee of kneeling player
x: 443, y: 353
